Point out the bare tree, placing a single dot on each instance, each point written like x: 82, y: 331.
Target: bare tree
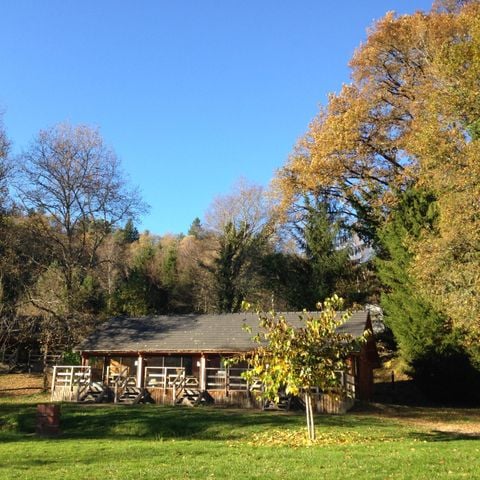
x: 243, y: 224
x: 73, y: 183
x: 5, y: 167
x: 247, y: 204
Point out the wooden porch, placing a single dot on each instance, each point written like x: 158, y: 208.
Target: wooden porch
x: 131, y: 380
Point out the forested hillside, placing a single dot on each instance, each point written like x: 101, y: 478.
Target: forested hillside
x: 392, y: 159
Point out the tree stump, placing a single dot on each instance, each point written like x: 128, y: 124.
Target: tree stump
x: 48, y: 419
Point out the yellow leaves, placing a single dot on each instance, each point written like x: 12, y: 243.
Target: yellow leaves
x: 246, y: 306
x: 410, y: 116
x: 298, y: 438
x: 247, y: 328
x: 401, y: 75
x: 447, y: 261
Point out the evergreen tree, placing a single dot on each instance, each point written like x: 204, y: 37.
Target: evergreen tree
x: 323, y: 263
x: 426, y: 342
x: 416, y: 325
x: 196, y: 228
x: 326, y: 262
x: 169, y: 267
x: 129, y: 232
x: 235, y: 265
x: 140, y: 291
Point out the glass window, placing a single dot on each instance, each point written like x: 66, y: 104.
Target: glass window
x: 173, y: 361
x: 187, y: 363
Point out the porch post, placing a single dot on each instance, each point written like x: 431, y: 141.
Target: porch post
x: 139, y: 371
x: 84, y: 360
x: 106, y: 363
x: 203, y: 379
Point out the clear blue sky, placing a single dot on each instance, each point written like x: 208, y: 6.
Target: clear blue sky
x: 191, y: 94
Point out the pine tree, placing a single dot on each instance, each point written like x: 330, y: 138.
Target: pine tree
x: 416, y: 325
x: 236, y: 265
x: 129, y: 232
x: 196, y: 228
x: 427, y: 343
x: 323, y: 263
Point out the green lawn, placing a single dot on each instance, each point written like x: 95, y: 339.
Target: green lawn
x: 123, y: 442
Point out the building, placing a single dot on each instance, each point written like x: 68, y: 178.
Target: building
x: 180, y: 359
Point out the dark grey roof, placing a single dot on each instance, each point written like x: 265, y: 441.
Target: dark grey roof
x: 190, y: 333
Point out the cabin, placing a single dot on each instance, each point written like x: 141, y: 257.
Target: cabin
x: 180, y: 359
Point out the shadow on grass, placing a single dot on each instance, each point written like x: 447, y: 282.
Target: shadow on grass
x: 154, y: 422
x: 443, y: 436
x: 164, y: 422
x: 17, y: 422
x: 437, y: 413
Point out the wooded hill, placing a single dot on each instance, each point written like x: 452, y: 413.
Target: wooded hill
x: 392, y: 159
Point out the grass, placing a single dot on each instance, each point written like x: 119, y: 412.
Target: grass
x: 142, y: 442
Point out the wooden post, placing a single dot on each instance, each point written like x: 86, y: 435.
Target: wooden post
x: 105, y: 369
x: 139, y: 371
x: 72, y: 381
x: 309, y: 413
x: 227, y: 380
x: 203, y: 379
x: 54, y: 377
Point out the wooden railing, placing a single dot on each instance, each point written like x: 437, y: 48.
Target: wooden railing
x: 114, y: 376
x: 178, y: 387
x: 348, y: 383
x: 182, y: 384
x: 162, y: 377
x: 227, y: 379
x: 121, y: 384
x: 33, y: 362
x: 118, y: 381
x: 69, y: 381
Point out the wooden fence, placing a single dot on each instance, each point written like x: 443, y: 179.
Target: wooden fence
x: 162, y: 377
x: 68, y: 382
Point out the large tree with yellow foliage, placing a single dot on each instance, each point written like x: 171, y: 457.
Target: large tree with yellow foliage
x: 410, y: 116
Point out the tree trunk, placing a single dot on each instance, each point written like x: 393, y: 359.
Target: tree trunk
x: 309, y: 413
x: 45, y: 368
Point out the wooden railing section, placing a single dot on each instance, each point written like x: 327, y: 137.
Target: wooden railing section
x: 69, y: 382
x: 118, y: 381
x: 72, y: 383
x: 162, y: 377
x: 227, y: 379
x: 178, y: 387
x: 348, y: 384
x: 184, y: 386
x: 114, y: 375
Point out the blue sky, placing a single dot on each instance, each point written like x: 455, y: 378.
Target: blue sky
x: 191, y: 94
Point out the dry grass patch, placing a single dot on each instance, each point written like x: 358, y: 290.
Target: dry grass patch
x: 20, y: 383
x: 460, y: 421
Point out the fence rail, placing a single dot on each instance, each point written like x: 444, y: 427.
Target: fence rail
x: 348, y: 383
x: 162, y: 377
x: 21, y: 361
x: 116, y: 375
x: 69, y: 381
x: 226, y: 379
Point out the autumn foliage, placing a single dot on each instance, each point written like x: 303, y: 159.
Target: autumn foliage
x: 409, y: 118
